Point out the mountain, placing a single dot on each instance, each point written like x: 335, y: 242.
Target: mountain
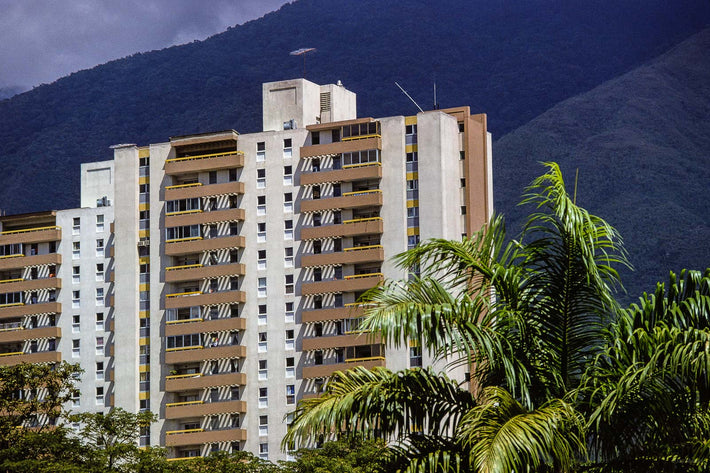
x: 7, y: 92
x: 641, y: 144
x: 510, y: 59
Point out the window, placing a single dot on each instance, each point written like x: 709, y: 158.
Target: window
x: 463, y: 182
x: 76, y: 226
x: 99, y: 271
x: 318, y: 358
x: 412, y: 185
x: 100, y: 396
x: 233, y: 228
x: 288, y: 175
x: 99, y: 296
x: 289, y: 339
x: 100, y: 247
x: 412, y: 157
x: 463, y: 210
x: 315, y: 138
x: 182, y: 341
x: 263, y: 372
x: 288, y: 229
x: 76, y: 274
x: 260, y: 152
x: 410, y: 130
x: 288, y: 258
x: 99, y: 345
x: 290, y: 367
x: 213, y: 177
x: 180, y: 206
x: 415, y: 356
x: 262, y: 314
x: 318, y: 329
x: 261, y: 205
x: 317, y: 274
x: 75, y: 250
x: 261, y: 178
x: 288, y: 152
x: 263, y: 425
x: 76, y: 348
x: 180, y: 233
x: 288, y: 202
x: 412, y: 241
x: 462, y: 155
x: 144, y: 215
x: 289, y: 317
x: 315, y: 192
x: 412, y: 212
x: 75, y: 324
x: 264, y: 450
x: 99, y: 223
x: 261, y: 232
x: 316, y: 247
x: 75, y: 299
x: 144, y: 188
x: 290, y: 394
x: 232, y: 175
x: 316, y: 219
x: 337, y: 244
x: 261, y: 287
x: 99, y: 371
x: 289, y: 284
x: 261, y: 259
x: 99, y: 320
x: 262, y: 342
x: 461, y: 127
x: 263, y: 397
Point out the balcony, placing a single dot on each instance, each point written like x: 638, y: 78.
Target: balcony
x: 185, y: 327
x: 17, y: 285
x: 22, y: 261
x: 334, y: 313
x: 198, y: 353
x: 190, y: 382
x: 348, y: 284
x: 339, y: 147
x: 194, y: 272
x: 196, y: 190
x: 203, y: 217
x: 180, y: 438
x: 204, y: 163
x: 349, y: 173
x: 349, y: 200
x: 190, y: 299
x: 324, y: 371
x: 19, y: 310
x: 349, y: 228
x: 9, y: 359
x: 181, y: 410
x: 363, y: 254
x: 340, y: 341
x: 31, y: 235
x: 20, y: 334
x: 187, y: 246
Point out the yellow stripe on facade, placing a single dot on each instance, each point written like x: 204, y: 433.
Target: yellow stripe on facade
x: 144, y: 314
x: 411, y: 120
x: 144, y: 152
x: 412, y: 231
x: 144, y: 369
x: 411, y: 148
x: 412, y: 176
x: 144, y: 395
x: 144, y: 180
x: 143, y: 207
x: 144, y: 341
x: 143, y: 233
x: 144, y: 287
x: 412, y: 203
x: 144, y: 260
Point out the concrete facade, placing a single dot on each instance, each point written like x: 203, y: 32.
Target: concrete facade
x: 233, y: 262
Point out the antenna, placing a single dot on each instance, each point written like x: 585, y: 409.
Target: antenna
x: 302, y: 52
x: 408, y: 96
x: 436, y: 105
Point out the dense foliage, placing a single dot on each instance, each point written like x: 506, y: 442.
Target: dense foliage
x: 562, y: 379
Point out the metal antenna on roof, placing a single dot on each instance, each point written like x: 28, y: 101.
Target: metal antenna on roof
x: 302, y: 52
x: 408, y: 96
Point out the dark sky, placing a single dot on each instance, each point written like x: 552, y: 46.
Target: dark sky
x: 43, y: 40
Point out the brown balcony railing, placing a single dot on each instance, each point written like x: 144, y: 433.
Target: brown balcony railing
x: 196, y: 190
x: 178, y: 438
x: 349, y: 200
x: 203, y: 163
x: 190, y: 382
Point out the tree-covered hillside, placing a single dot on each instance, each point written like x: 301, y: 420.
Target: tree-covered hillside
x: 512, y: 60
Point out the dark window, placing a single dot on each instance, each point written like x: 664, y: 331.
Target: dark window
x: 315, y: 138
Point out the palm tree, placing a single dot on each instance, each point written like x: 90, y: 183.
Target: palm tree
x: 648, y: 393
x: 527, y: 316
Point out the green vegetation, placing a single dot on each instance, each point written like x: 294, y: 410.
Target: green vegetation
x: 562, y: 379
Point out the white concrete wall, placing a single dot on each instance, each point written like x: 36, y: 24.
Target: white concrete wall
x: 97, y: 180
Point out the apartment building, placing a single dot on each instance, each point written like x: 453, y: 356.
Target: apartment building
x: 213, y: 278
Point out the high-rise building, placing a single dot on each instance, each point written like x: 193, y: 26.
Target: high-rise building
x: 213, y: 278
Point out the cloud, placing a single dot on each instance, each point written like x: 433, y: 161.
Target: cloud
x: 42, y: 40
